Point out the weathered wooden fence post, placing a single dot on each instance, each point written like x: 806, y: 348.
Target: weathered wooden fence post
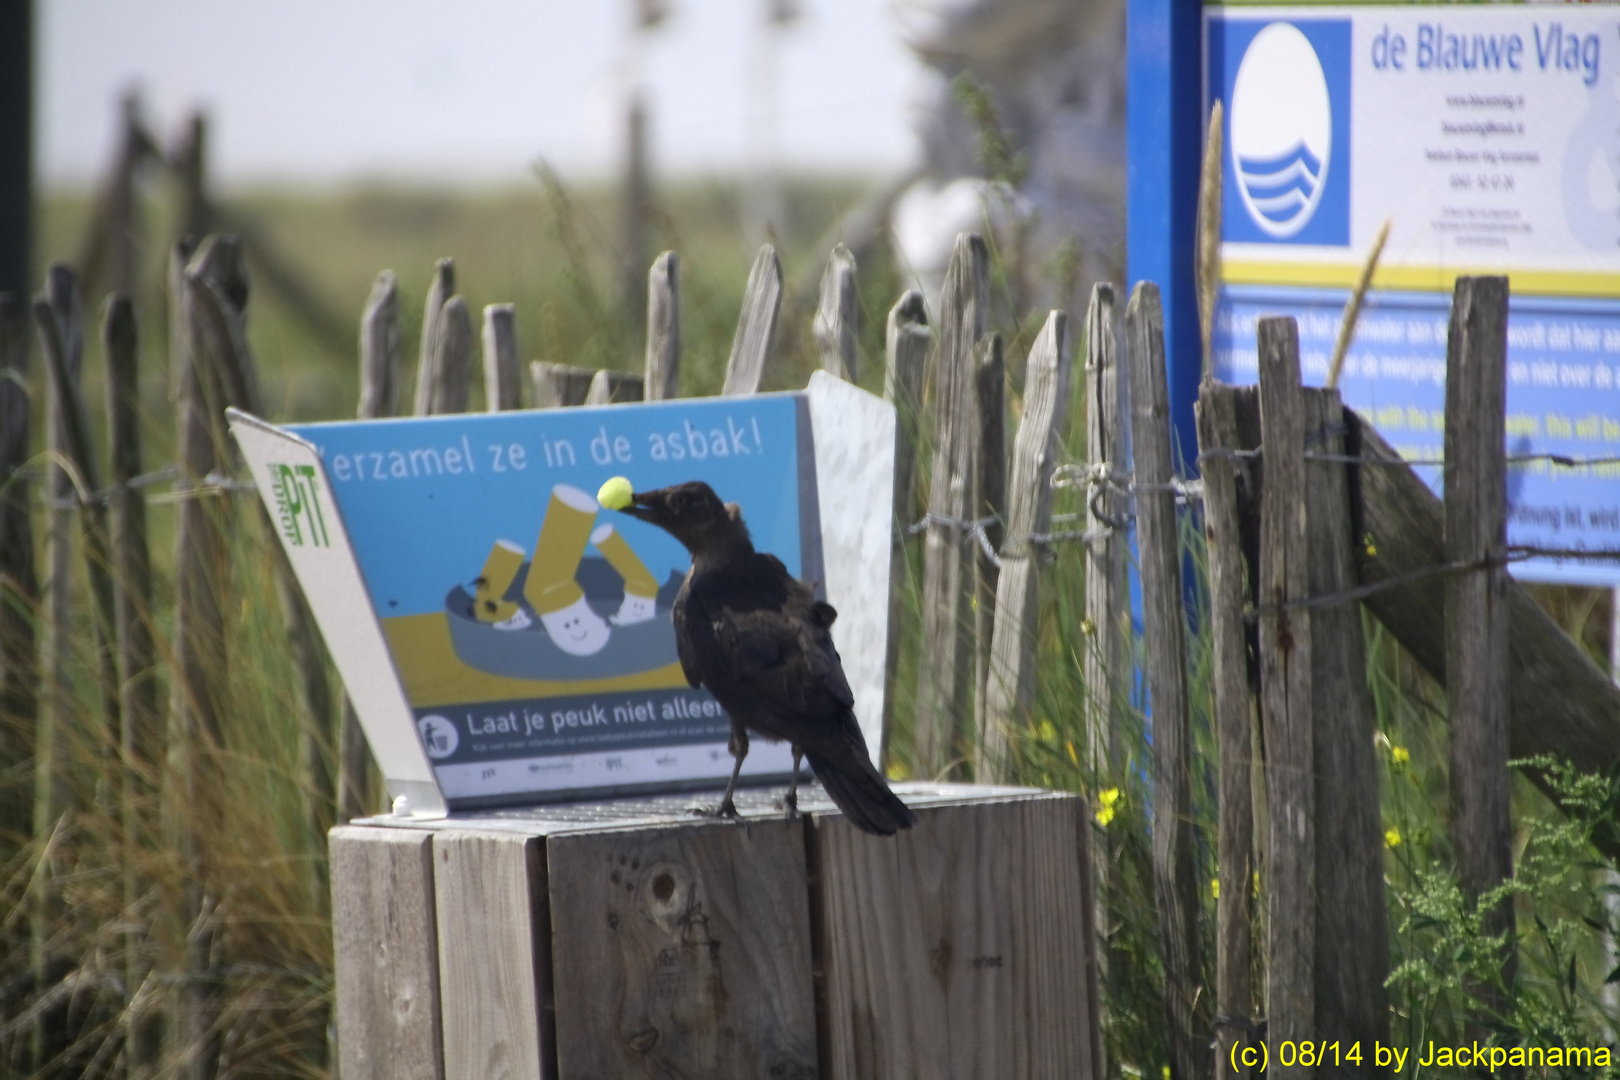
x: 1029, y: 512
x: 452, y: 359
x: 836, y: 319
x: 944, y: 687
x: 379, y: 397
x: 663, y: 370
x: 1224, y: 475
x: 442, y: 288
x: 751, y: 346
x: 558, y: 386
x: 1352, y: 938
x: 1476, y: 606
x: 989, y: 507
x: 611, y: 387
x: 1285, y: 680
x: 1163, y: 624
x: 503, y: 376
x: 1107, y: 656
x: 197, y: 692
x: 906, y: 361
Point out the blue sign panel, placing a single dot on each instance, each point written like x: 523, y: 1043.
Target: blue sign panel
x: 1563, y: 401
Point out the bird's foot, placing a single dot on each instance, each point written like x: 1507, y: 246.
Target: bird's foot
x: 789, y: 805
x: 724, y: 809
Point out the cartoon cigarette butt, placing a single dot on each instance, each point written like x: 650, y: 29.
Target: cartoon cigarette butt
x: 640, y: 587
x: 551, y: 589
x: 489, y: 603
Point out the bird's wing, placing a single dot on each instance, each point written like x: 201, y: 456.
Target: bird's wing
x: 685, y: 647
x: 784, y: 660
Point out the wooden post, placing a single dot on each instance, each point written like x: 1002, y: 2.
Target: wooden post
x: 836, y: 319
x: 503, y: 376
x: 1107, y: 656
x: 751, y: 346
x: 663, y: 372
x: 1232, y: 712
x: 19, y: 582
x: 989, y: 506
x: 1285, y: 682
x: 442, y: 288
x: 452, y: 360
x: 1029, y: 511
x: 141, y: 733
x: 558, y: 386
x: 610, y: 387
x: 1352, y: 938
x: 379, y: 397
x: 1476, y: 609
x: 1163, y: 624
x: 200, y: 672
x: 906, y: 359
x: 190, y: 163
x: 944, y: 687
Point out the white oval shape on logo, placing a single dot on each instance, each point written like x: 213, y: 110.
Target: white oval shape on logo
x: 1282, y: 130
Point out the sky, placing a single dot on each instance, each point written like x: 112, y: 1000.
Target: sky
x: 319, y: 91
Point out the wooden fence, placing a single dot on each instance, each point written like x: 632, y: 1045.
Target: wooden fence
x: 1307, y: 514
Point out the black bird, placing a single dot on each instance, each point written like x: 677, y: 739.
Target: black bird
x: 758, y: 640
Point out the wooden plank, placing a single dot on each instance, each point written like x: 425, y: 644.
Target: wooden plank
x: 836, y: 320
x: 357, y: 779
x: 663, y: 371
x: 944, y: 686
x: 452, y: 359
x: 1476, y: 609
x: 751, y: 346
x: 199, y: 669
x: 989, y: 506
x: 494, y: 956
x: 905, y: 367
x: 1352, y: 935
x: 19, y: 581
x: 440, y: 290
x: 1159, y: 541
x: 140, y: 738
x: 386, y: 943
x: 637, y: 205
x: 503, y: 376
x: 957, y: 948
x: 685, y: 951
x: 1011, y: 688
x: 1285, y: 686
x: 379, y: 350
x: 558, y: 386
x: 611, y: 387
x: 1107, y: 659
x: 1232, y: 711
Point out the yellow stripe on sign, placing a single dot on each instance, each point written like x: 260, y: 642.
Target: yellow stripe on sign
x: 1600, y: 284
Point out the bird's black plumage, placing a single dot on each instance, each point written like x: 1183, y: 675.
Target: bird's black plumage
x: 759, y: 641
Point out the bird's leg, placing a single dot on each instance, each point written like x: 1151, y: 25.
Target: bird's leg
x: 790, y: 801
x: 739, y: 750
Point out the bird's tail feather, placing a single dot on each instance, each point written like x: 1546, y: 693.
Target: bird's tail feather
x: 862, y: 794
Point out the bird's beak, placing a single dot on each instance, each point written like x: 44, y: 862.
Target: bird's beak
x: 646, y: 506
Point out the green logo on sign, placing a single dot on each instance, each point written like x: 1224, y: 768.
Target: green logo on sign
x: 298, y: 504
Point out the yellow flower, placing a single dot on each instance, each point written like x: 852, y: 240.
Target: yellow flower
x: 1254, y: 885
x: 1087, y: 627
x: 1106, y: 802
x: 1372, y: 548
x: 1069, y: 746
x: 1400, y: 755
x: 1047, y: 732
x: 1215, y: 888
x: 1392, y: 838
x: 896, y: 771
